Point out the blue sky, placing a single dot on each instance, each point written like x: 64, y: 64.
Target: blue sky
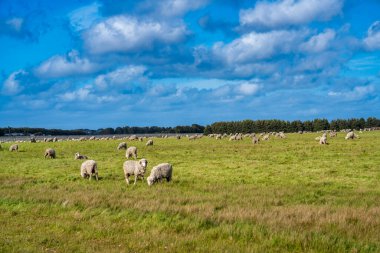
x: 92, y: 64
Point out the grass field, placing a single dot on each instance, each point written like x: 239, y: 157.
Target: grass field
x: 284, y: 195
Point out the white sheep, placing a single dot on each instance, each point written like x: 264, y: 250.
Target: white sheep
x: 255, y: 140
x: 88, y: 169
x: 131, y: 151
x: 323, y: 139
x: 14, y: 147
x: 163, y: 170
x: 350, y: 135
x: 149, y: 143
x: 50, y: 153
x: 136, y: 168
x: 122, y: 145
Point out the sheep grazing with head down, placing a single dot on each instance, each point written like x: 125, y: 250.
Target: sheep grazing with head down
x: 351, y: 135
x: 265, y: 137
x: 159, y: 172
x: 33, y: 140
x: 89, y: 168
x: 131, y: 151
x: 149, y: 143
x: 255, y: 140
x: 136, y: 168
x: 78, y: 156
x: 50, y: 153
x: 14, y: 147
x: 122, y: 145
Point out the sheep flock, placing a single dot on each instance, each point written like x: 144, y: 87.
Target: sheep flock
x: 162, y: 171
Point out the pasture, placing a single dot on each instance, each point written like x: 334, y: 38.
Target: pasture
x: 283, y: 195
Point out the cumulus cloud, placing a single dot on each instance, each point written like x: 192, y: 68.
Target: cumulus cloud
x: 357, y: 93
x: 372, y: 41
x: 283, y: 13
x: 259, y: 46
x: 319, y: 43
x: 128, y: 34
x: 12, y: 85
x: 124, y: 78
x: 63, y: 66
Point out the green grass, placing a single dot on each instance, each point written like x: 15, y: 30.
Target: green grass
x: 284, y: 195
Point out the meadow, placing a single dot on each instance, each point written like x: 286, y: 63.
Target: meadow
x: 283, y: 195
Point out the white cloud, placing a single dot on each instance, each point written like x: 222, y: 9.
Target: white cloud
x: 125, y: 34
x: 319, y: 43
x: 62, y: 66
x: 179, y: 7
x: 284, y: 13
x: 248, y: 88
x: 372, y: 41
x: 12, y: 85
x: 357, y: 93
x: 84, y: 17
x: 120, y: 77
x: 258, y: 46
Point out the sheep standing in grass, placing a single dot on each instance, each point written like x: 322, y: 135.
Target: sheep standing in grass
x: 131, y: 151
x: 323, y: 139
x: 149, y: 143
x: 88, y: 169
x: 33, y: 140
x: 122, y: 145
x: 136, y: 168
x: 255, y: 140
x: 163, y: 170
x: 50, y: 153
x: 14, y: 147
x: 265, y: 137
x: 333, y: 134
x: 79, y: 156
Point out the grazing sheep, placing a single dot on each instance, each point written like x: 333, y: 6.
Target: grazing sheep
x: 193, y: 137
x: 131, y: 151
x: 92, y: 138
x: 50, y: 153
x: 149, y: 143
x: 350, y: 135
x: 33, y: 140
x: 333, y: 134
x: 14, y: 147
x: 133, y: 138
x: 122, y: 145
x: 163, y: 170
x: 178, y: 137
x: 255, y: 140
x: 88, y: 169
x: 265, y: 137
x: 79, y: 156
x: 82, y: 139
x: 136, y: 168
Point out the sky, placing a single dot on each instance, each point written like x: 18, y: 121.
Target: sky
x: 92, y: 64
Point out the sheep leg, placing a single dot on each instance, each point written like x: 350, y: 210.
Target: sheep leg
x: 135, y: 179
x: 127, y: 178
x: 96, y: 176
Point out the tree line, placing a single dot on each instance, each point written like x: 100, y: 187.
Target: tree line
x: 194, y: 128
x: 245, y: 126
x: 258, y: 126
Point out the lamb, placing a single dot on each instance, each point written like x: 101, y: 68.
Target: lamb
x: 79, y: 156
x: 50, y: 153
x: 88, y: 169
x: 131, y: 151
x: 136, y: 168
x: 14, y: 147
x: 149, y: 143
x: 163, y: 170
x: 122, y: 145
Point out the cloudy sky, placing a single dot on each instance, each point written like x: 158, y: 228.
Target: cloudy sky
x: 91, y: 64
